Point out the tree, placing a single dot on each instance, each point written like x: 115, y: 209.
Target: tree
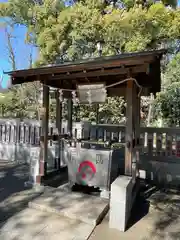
x: 77, y: 30
x: 31, y: 13
x: 172, y: 73
x: 20, y: 101
x: 110, y: 112
x: 141, y: 28
x: 6, y: 103
x: 71, y: 32
x: 127, y: 4
x: 12, y: 58
x: 167, y: 105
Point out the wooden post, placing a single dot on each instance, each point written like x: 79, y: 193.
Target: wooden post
x: 59, y: 127
x: 44, y: 141
x: 130, y: 126
x: 70, y: 111
x: 58, y: 113
x: 137, y: 119
x: 97, y: 113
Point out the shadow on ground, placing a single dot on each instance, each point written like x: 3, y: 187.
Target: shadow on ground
x: 139, y: 211
x: 161, y: 209
x: 14, y: 196
x: 56, y: 178
x: 12, y: 178
x: 17, y: 221
x: 166, y: 204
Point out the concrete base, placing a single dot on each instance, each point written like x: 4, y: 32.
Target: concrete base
x: 121, y: 201
x: 78, y: 206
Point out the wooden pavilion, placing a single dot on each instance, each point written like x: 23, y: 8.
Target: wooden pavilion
x: 137, y: 74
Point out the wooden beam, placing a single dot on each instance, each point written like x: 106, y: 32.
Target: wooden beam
x: 121, y: 91
x: 102, y: 72
x: 89, y: 65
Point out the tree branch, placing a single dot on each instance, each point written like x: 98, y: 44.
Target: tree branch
x: 11, y: 52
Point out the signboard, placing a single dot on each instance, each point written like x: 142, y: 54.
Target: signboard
x: 91, y: 93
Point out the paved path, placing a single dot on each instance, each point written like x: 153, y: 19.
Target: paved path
x: 158, y: 218
x: 31, y: 224
x: 14, y: 196
x: 18, y: 222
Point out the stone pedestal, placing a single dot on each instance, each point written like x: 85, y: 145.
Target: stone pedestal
x: 121, y: 201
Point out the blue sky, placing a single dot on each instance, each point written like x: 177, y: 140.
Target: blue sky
x: 21, y: 50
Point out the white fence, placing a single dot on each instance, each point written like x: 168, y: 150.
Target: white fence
x: 159, y: 152
x: 20, y: 141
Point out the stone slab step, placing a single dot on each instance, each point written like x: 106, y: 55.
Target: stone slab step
x: 31, y: 224
x: 78, y: 206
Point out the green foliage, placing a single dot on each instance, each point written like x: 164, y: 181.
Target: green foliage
x: 172, y: 73
x: 167, y: 105
x: 75, y: 33
x: 21, y: 101
x: 110, y: 112
x: 140, y: 28
x: 70, y: 33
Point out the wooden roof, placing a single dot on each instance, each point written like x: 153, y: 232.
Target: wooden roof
x: 144, y: 66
